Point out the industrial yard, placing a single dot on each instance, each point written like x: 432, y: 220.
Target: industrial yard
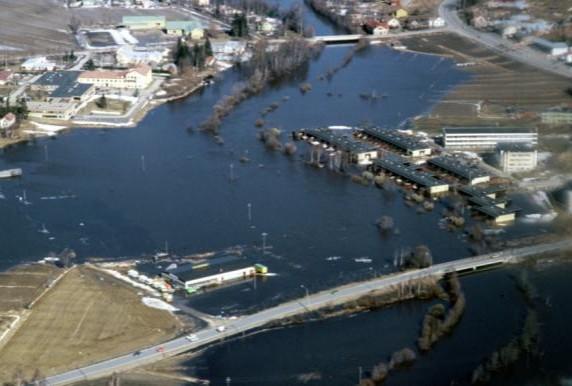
x: 86, y: 317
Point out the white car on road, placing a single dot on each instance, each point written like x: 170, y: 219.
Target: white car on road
x: 192, y: 338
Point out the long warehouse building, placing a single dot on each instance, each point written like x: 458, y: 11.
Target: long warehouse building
x: 486, y: 138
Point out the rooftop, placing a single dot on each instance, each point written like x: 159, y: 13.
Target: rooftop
x: 71, y: 91
x: 57, y: 78
x: 187, y: 25
x: 548, y: 43
x: 456, y: 167
x: 340, y: 140
x: 143, y: 19
x: 488, y: 130
x: 494, y: 211
x: 395, y: 138
x: 189, y: 272
x: 397, y: 166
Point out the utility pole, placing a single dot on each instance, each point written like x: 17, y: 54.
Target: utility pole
x: 264, y: 234
x: 227, y: 380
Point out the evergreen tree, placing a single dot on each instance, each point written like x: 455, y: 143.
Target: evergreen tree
x: 101, y: 102
x: 239, y: 26
x: 89, y: 65
x: 208, y: 48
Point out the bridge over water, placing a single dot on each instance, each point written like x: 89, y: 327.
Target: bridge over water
x: 312, y: 302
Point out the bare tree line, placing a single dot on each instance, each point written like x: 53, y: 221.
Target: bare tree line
x: 266, y: 66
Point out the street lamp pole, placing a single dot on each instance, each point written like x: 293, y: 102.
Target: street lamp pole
x: 264, y: 234
x: 305, y: 289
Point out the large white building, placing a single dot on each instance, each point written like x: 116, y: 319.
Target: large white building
x: 138, y: 77
x: 515, y: 157
x: 126, y: 55
x: 39, y: 63
x: 486, y: 138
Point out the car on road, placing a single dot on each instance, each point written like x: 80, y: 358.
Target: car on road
x: 192, y: 338
x: 137, y: 353
x: 221, y: 328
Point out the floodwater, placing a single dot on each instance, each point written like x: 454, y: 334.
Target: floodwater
x: 125, y: 192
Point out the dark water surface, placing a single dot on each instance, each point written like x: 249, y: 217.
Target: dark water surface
x: 125, y: 192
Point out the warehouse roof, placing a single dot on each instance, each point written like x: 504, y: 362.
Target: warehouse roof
x: 393, y: 165
x: 338, y: 140
x: 189, y: 272
x: 57, y: 78
x: 395, y: 138
x: 143, y: 19
x: 453, y: 165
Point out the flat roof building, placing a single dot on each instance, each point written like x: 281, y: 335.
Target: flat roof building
x: 408, y: 144
x: 144, y: 22
x: 399, y: 167
x: 63, y: 85
x: 516, y: 157
x: 486, y: 138
x: 138, y: 77
x: 184, y: 28
x: 337, y: 140
x: 551, y: 48
x: 472, y: 174
x: 52, y: 110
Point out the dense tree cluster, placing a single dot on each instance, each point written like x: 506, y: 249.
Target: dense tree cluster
x: 20, y: 110
x: 195, y: 57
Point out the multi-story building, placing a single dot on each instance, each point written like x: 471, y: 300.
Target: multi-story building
x: 516, y: 157
x: 138, y: 77
x: 486, y: 138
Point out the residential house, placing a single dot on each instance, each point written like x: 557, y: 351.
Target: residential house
x: 138, y: 77
x: 7, y: 121
x: 394, y: 23
x: 382, y: 29
x: 401, y: 13
x: 480, y: 22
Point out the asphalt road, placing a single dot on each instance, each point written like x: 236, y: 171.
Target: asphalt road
x: 535, y: 58
x: 311, y: 302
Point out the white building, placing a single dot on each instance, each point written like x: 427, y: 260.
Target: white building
x: 381, y: 30
x: 515, y: 157
x: 52, y: 110
x: 486, y: 138
x: 138, y: 77
x: 127, y: 56
x: 438, y: 22
x: 551, y: 48
x: 7, y: 121
x: 38, y: 63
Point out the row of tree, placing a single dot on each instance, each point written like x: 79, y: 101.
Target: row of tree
x: 265, y: 66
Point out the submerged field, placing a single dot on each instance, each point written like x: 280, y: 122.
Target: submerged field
x: 88, y: 316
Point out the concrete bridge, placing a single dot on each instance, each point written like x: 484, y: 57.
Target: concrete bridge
x: 312, y: 302
x: 354, y: 38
